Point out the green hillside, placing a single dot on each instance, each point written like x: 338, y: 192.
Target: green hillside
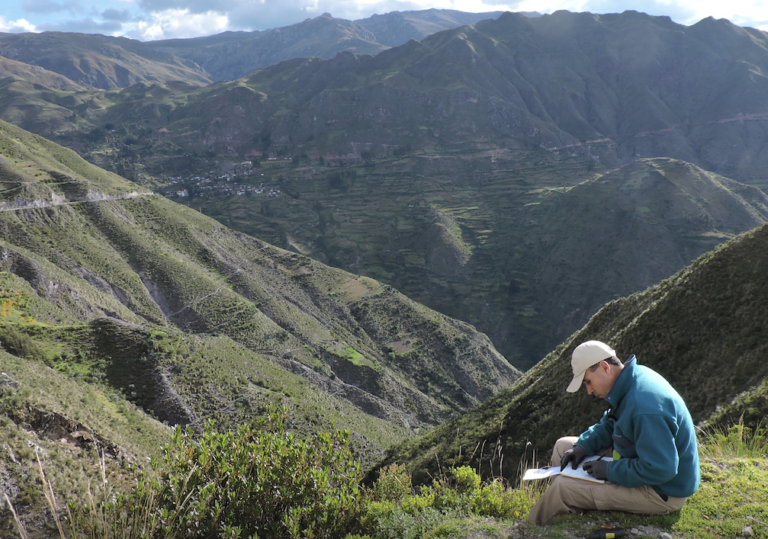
x: 443, y: 161
x: 702, y: 329
x: 193, y: 321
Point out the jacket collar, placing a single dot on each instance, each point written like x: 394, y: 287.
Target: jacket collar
x: 623, y: 383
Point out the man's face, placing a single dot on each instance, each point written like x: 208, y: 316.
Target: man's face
x: 600, y: 382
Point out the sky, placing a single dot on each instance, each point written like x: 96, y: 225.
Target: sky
x: 165, y: 19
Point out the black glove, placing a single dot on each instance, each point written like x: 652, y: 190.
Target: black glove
x: 597, y: 468
x: 574, y: 455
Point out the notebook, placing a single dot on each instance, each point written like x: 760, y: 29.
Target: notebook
x: 551, y: 471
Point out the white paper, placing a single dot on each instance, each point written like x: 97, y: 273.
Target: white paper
x: 578, y: 473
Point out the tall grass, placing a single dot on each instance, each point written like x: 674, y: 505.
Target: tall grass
x: 533, y: 490
x: 735, y: 441
x: 107, y: 515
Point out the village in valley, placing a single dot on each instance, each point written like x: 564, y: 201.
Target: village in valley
x: 230, y: 180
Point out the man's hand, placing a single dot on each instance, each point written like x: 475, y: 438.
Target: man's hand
x: 574, y: 455
x: 597, y: 468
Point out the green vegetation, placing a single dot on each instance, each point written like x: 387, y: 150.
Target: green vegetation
x: 262, y: 480
x: 123, y: 313
x: 257, y: 482
x: 149, y: 266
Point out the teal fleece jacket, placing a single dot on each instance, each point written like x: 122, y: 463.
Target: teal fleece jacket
x: 650, y: 427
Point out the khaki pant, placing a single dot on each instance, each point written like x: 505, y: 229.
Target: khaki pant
x: 569, y: 495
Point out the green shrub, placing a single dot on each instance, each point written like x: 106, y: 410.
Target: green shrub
x: 458, y: 494
x: 466, y: 479
x: 261, y: 480
x: 394, y: 483
x: 420, y: 502
x: 497, y: 501
x: 21, y: 345
x: 385, y: 520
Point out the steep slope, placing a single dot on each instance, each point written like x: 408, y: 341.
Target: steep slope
x: 76, y: 429
x: 622, y: 231
x: 702, y: 329
x: 36, y: 75
x: 93, y: 246
x: 428, y: 121
x: 98, y: 61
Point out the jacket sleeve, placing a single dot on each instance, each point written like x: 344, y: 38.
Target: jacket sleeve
x: 657, y: 459
x: 597, y: 437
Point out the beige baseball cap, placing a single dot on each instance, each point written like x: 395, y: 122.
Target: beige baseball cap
x: 584, y: 356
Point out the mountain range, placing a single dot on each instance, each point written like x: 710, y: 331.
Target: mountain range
x: 431, y: 165
x: 123, y: 312
x: 115, y: 62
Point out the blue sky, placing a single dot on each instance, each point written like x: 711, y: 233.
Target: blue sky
x: 163, y: 19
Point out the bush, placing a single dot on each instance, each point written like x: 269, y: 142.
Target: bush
x: 393, y: 484
x: 21, y: 345
x: 395, y: 512
x: 466, y: 479
x: 494, y: 500
x: 386, y: 520
x: 262, y: 481
x: 259, y: 481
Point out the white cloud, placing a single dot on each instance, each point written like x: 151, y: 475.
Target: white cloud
x: 179, y: 23
x: 19, y: 25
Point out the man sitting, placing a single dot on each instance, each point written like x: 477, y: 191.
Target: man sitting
x: 648, y: 431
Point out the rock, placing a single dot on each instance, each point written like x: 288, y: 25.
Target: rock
x: 665, y: 535
x: 634, y: 531
x: 6, y: 380
x: 747, y: 531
